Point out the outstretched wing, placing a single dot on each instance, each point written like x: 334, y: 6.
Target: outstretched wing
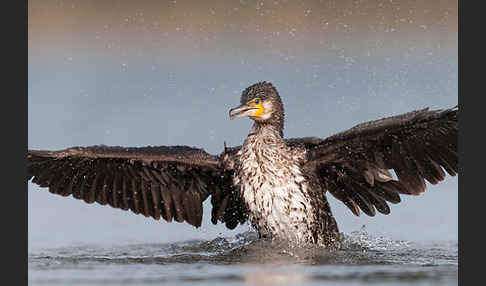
x: 168, y: 182
x: 354, y: 165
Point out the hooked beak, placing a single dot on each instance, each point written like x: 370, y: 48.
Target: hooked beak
x: 243, y: 110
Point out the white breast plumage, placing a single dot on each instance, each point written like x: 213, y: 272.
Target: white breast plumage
x: 274, y: 189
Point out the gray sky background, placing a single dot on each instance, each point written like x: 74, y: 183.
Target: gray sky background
x: 136, y: 73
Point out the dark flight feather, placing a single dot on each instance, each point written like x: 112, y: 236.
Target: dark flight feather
x: 167, y: 182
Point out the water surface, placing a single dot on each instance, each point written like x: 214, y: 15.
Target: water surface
x: 246, y: 260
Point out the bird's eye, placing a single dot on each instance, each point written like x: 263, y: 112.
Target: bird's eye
x: 257, y: 101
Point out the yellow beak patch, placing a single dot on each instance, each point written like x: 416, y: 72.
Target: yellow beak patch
x: 259, y: 111
x: 257, y: 103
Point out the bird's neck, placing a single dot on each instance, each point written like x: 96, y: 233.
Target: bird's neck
x: 261, y: 129
x: 262, y: 146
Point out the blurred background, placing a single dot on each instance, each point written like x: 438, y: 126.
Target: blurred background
x: 137, y: 73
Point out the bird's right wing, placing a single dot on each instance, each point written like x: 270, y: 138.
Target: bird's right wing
x: 354, y: 165
x: 168, y: 182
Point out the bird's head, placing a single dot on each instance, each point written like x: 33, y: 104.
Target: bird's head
x: 261, y: 103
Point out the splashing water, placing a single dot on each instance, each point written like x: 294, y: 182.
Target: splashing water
x: 246, y: 259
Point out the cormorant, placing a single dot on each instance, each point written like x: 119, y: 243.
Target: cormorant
x: 277, y: 184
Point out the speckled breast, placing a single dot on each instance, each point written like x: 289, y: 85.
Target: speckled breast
x: 274, y: 190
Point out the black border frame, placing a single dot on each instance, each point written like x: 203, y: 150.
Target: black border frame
x: 14, y: 123
x: 14, y: 142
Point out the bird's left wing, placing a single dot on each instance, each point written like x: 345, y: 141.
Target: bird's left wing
x: 354, y: 165
x: 164, y: 181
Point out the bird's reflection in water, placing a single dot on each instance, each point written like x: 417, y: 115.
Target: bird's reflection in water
x: 271, y: 262
x: 269, y: 276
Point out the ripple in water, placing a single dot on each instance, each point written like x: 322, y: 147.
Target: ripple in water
x: 245, y: 259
